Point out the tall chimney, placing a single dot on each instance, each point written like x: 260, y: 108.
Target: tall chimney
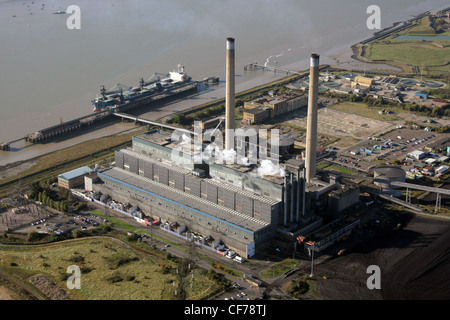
x: 311, y: 129
x: 230, y: 97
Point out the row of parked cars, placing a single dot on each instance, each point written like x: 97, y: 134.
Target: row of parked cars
x: 85, y: 220
x: 35, y: 223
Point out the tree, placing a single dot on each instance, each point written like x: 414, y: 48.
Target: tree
x: 298, y: 287
x: 380, y: 101
x: 34, y: 236
x: 64, y: 206
x: 35, y: 189
x: 179, y: 119
x: 355, y: 98
x: 437, y: 112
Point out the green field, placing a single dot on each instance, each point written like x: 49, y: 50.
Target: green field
x: 110, y: 269
x: 363, y: 110
x: 327, y: 166
x: 116, y: 223
x: 434, y: 55
x: 279, y: 268
x: 423, y: 27
x: 412, y: 52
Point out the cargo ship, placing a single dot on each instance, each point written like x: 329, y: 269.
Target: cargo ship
x: 126, y: 98
x: 123, y: 99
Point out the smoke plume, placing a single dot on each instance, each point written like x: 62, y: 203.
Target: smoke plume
x: 268, y: 168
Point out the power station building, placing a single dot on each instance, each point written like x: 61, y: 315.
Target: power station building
x: 227, y: 202
x: 238, y: 204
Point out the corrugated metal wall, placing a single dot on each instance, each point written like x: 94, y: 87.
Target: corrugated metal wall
x: 262, y: 210
x: 179, y: 181
x: 229, y: 198
x: 148, y: 170
x: 119, y: 159
x: 194, y: 185
x: 163, y: 175
x: 132, y: 162
x: 211, y: 191
x: 247, y: 206
x: 238, y: 206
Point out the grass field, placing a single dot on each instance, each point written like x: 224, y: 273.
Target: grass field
x: 363, y: 110
x: 434, y: 55
x: 325, y: 165
x: 279, y: 268
x: 422, y: 27
x: 110, y: 270
x: 413, y: 52
x: 116, y: 223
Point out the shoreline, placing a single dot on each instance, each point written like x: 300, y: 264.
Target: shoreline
x: 338, y: 57
x: 342, y: 57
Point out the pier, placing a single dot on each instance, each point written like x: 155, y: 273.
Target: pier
x: 66, y: 127
x: 213, y: 80
x: 255, y: 67
x: 88, y: 120
x: 6, y: 146
x: 153, y: 123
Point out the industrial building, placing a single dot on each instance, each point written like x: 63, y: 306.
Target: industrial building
x: 256, y: 115
x: 237, y: 205
x: 271, y: 106
x: 74, y: 178
x: 417, y: 154
x: 362, y: 81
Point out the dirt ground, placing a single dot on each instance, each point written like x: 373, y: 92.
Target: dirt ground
x: 414, y: 265
x: 330, y: 123
x: 48, y: 287
x: 6, y: 294
x: 12, y: 169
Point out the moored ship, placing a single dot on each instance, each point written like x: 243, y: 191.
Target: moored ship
x: 175, y: 82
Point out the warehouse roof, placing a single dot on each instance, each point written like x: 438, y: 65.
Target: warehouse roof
x: 416, y: 153
x: 75, y: 173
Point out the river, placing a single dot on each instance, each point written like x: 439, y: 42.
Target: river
x: 50, y: 73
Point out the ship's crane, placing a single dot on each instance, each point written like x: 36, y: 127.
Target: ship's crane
x: 115, y: 89
x: 103, y: 92
x: 156, y: 78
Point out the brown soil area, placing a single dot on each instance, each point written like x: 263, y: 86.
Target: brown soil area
x: 414, y: 263
x: 13, y: 169
x: 6, y: 294
x: 48, y: 287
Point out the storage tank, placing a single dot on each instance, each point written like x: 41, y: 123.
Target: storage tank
x: 384, y: 175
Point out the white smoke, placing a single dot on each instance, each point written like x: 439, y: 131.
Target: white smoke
x: 228, y: 156
x: 198, y: 157
x: 276, y: 56
x: 213, y: 154
x: 268, y: 168
x: 267, y: 61
x: 245, y: 161
x: 183, y: 147
x: 185, y: 139
x: 210, y: 154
